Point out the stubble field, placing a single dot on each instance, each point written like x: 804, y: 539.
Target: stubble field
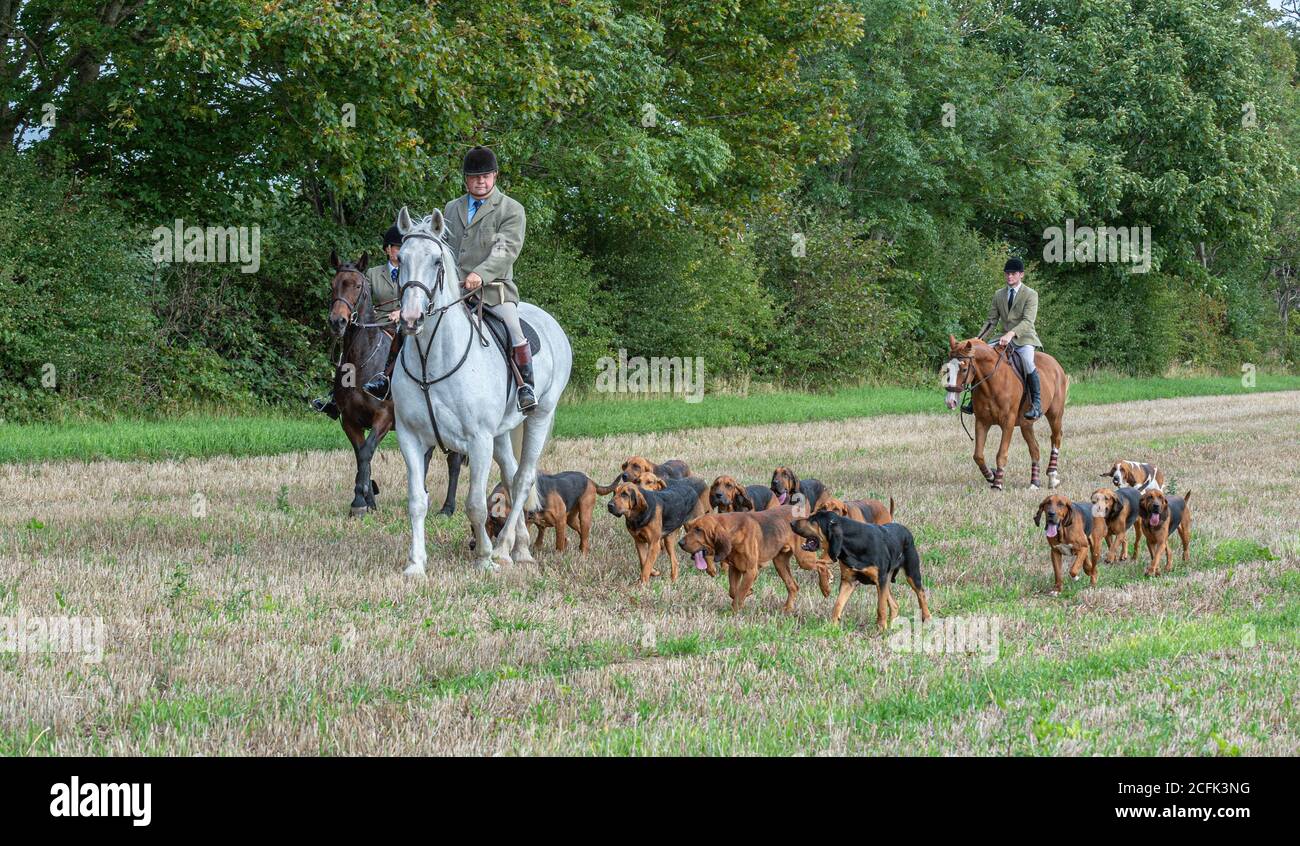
x: 244, y: 613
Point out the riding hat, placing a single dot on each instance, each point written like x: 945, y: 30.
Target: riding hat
x: 393, y: 237
x: 1014, y: 265
x: 479, y: 160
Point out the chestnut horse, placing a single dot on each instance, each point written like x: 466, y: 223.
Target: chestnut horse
x: 352, y: 320
x: 1000, y: 399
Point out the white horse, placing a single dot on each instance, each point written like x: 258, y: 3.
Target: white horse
x: 447, y: 378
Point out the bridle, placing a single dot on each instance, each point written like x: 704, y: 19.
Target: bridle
x: 429, y: 290
x: 354, y: 308
x: 968, y: 387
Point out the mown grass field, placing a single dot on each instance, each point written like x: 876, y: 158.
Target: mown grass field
x: 271, y: 623
x: 597, y: 416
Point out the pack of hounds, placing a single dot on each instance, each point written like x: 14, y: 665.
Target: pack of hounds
x: 739, y: 528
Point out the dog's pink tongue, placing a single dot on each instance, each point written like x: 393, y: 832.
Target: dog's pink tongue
x: 1051, y: 530
x: 700, y: 563
x: 1154, y: 520
x: 781, y: 497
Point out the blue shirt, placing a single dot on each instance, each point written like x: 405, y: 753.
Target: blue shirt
x: 473, y: 207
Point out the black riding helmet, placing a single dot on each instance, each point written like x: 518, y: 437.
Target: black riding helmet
x: 393, y: 237
x: 479, y: 160
x: 1014, y: 265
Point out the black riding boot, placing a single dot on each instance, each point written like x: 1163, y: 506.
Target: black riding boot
x: 524, y: 361
x: 378, y: 386
x: 325, y: 405
x: 1035, y: 407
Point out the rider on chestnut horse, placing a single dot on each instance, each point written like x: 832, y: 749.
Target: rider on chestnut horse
x: 387, y: 300
x: 1013, y: 311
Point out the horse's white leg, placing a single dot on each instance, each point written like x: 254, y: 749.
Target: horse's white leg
x: 480, y: 468
x: 417, y: 499
x: 504, y: 450
x: 537, y: 428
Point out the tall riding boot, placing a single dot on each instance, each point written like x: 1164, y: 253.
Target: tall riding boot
x: 1035, y: 407
x: 378, y: 386
x: 524, y: 361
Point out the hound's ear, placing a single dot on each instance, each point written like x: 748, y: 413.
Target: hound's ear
x: 364, y: 261
x: 741, y: 502
x: 404, y: 224
x: 721, y: 546
x: 334, y: 259
x: 1042, y: 506
x: 437, y: 224
x: 836, y: 540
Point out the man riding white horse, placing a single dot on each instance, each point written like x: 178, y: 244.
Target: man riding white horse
x: 485, y: 230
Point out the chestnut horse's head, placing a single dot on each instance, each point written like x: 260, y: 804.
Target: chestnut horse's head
x: 958, y: 372
x: 349, y: 290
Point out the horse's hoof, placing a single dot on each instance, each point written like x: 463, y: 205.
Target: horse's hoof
x: 359, y: 510
x: 1053, y: 480
x: 1033, y: 487
x: 413, y: 570
x: 487, y: 565
x: 525, y: 557
x: 1074, y: 578
x: 446, y: 512
x: 995, y: 488
x: 1053, y: 593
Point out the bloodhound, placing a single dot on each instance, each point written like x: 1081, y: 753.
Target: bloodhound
x: 1069, y: 529
x: 785, y: 483
x: 862, y: 510
x: 868, y: 554
x: 1114, y: 511
x: 652, y: 517
x: 744, y: 541
x: 727, y: 495
x: 565, y: 499
x: 636, y: 467
x: 1136, y: 474
x: 1161, y: 515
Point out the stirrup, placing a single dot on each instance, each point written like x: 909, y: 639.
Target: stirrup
x: 527, y: 402
x: 326, y: 406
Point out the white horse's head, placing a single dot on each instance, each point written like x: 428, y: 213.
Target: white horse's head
x: 427, y: 275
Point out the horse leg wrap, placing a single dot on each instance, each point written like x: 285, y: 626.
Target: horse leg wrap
x: 988, y: 474
x: 1051, y: 464
x: 1033, y: 474
x: 997, y: 479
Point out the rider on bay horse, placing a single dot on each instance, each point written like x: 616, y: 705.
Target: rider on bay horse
x: 1013, y: 311
x: 485, y: 230
x: 384, y: 296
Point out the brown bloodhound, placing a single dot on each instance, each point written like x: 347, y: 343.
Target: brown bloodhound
x: 785, y: 484
x: 636, y: 467
x: 862, y: 510
x: 727, y: 495
x: 652, y: 517
x: 1068, y: 530
x: 1114, y: 511
x: 746, y: 540
x: 1159, y: 516
x: 565, y: 499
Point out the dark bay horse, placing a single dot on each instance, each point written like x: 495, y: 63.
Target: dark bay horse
x: 1000, y: 399
x: 352, y: 319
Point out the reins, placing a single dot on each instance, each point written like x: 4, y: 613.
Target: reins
x: 968, y: 389
x: 476, y: 329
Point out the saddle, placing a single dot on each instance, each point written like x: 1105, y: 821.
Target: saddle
x: 497, y: 329
x: 500, y: 333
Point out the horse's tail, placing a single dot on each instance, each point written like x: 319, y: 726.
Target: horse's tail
x: 1066, y: 391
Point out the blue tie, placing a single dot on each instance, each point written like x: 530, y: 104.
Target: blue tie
x: 473, y: 207
x: 392, y: 273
